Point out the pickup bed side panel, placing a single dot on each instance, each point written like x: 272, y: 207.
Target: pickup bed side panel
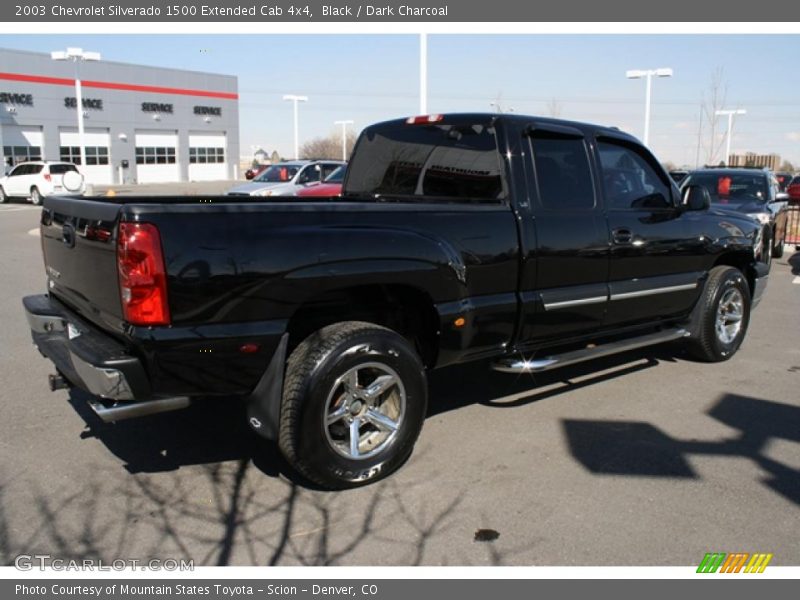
x: 252, y: 266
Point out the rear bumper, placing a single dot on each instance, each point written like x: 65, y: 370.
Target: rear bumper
x: 86, y: 357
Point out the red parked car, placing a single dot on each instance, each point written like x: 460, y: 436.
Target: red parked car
x: 783, y: 180
x: 793, y: 189
x: 330, y: 186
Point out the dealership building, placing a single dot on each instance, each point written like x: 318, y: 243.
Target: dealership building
x: 141, y: 124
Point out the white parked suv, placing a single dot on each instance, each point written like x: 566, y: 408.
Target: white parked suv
x: 37, y: 179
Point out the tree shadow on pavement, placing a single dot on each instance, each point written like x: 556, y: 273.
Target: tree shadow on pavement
x: 635, y: 448
x: 228, y: 513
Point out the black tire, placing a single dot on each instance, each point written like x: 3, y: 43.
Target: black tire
x: 309, y: 439
x: 708, y: 343
x: 777, y: 249
x: 3, y: 197
x: 766, y: 248
x: 36, y: 196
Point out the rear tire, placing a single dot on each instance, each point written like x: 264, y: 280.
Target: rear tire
x: 36, y: 196
x: 354, y: 401
x: 724, y: 316
x: 3, y: 197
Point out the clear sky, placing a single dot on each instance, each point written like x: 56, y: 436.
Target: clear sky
x: 368, y: 78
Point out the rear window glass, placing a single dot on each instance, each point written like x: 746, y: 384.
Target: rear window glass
x: 447, y: 161
x: 61, y: 169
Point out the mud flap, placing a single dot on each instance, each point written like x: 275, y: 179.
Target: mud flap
x: 264, y: 402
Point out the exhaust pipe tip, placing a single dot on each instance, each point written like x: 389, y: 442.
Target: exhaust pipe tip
x: 57, y: 381
x: 119, y: 411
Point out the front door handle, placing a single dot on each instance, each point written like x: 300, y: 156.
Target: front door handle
x: 622, y: 236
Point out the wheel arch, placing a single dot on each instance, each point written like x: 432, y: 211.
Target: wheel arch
x: 406, y: 309
x: 743, y: 261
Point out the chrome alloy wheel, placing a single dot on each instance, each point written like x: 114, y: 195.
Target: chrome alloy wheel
x: 364, y: 410
x: 730, y: 312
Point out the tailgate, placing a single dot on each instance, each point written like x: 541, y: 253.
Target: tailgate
x: 79, y: 245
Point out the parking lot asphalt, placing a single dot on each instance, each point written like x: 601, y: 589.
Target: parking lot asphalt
x: 645, y: 458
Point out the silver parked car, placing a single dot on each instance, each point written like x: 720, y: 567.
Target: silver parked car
x: 287, y: 178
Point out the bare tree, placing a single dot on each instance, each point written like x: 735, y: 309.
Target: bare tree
x: 328, y: 147
x: 498, y: 106
x: 714, y: 99
x: 553, y: 108
x: 787, y: 166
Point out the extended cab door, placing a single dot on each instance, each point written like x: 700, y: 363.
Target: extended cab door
x: 658, y: 252
x: 570, y: 293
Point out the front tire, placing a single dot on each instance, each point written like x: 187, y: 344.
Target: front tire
x: 3, y: 197
x: 724, y: 316
x: 354, y: 401
x: 36, y: 196
x: 777, y: 249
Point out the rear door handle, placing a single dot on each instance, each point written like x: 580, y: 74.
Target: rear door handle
x: 622, y: 236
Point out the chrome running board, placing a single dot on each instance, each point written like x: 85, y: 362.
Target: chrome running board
x: 520, y: 364
x: 120, y: 411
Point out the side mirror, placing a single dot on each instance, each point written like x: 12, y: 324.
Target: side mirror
x: 696, y: 197
x: 781, y: 197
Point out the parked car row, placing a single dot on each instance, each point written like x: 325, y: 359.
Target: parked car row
x: 290, y: 178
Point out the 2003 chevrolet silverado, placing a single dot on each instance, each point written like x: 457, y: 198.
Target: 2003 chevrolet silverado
x: 533, y: 242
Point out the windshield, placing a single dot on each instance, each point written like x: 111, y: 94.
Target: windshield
x: 337, y: 176
x: 409, y: 161
x: 726, y: 188
x: 278, y: 173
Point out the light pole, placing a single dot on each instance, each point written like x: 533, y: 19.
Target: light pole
x: 423, y: 73
x: 76, y: 55
x: 648, y: 75
x: 344, y: 125
x: 295, y: 100
x: 729, y: 133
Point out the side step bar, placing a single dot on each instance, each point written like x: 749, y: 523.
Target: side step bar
x: 536, y: 365
x: 120, y: 411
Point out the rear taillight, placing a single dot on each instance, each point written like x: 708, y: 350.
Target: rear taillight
x: 47, y: 177
x: 142, y: 276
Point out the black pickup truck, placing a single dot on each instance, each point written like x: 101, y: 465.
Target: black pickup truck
x: 532, y: 242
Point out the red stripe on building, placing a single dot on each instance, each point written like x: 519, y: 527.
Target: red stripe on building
x: 110, y: 85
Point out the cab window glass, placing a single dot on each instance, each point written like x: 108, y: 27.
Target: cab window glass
x: 563, y: 176
x: 629, y: 181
